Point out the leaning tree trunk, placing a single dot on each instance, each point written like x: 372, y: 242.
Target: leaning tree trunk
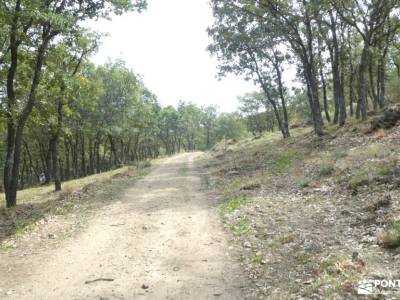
x: 16, y: 124
x: 283, y: 101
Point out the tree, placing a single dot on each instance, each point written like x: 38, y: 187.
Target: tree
x: 289, y: 23
x: 368, y: 17
x: 246, y: 46
x: 208, y: 119
x: 229, y: 126
x: 258, y: 121
x: 31, y: 28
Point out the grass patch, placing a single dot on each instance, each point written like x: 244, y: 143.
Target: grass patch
x: 234, y: 204
x: 372, y: 151
x: 385, y: 168
x: 326, y: 170
x: 358, y: 179
x: 240, y: 227
x: 232, y: 186
x: 256, y: 259
x: 35, y: 194
x: 284, y: 161
x: 340, y: 153
x: 390, y: 238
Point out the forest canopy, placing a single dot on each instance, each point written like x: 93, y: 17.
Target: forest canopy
x: 346, y: 54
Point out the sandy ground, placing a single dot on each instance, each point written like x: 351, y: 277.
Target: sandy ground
x: 162, y: 240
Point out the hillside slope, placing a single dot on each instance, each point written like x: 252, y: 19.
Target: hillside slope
x: 310, y: 216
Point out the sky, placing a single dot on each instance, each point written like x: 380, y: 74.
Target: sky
x: 166, y: 45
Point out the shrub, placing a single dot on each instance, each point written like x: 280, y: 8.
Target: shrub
x: 386, y: 168
x: 340, y: 153
x: 303, y: 182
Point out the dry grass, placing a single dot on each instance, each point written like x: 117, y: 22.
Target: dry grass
x: 390, y: 236
x: 77, y: 196
x: 35, y: 194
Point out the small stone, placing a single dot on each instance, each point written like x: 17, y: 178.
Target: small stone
x: 217, y: 294
x: 368, y: 239
x: 145, y: 286
x: 233, y: 173
x: 247, y: 244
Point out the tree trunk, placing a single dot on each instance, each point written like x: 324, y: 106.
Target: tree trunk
x: 351, y: 88
x: 374, y: 95
x: 16, y: 124
x: 362, y: 92
x: 67, y: 161
x: 28, y: 152
x: 83, y: 156
x: 315, y: 107
x: 114, y: 153
x: 282, y: 96
x: 54, y: 143
x: 342, y: 100
x: 382, y: 83
x: 324, y: 94
x: 55, y: 166
x: 91, y: 157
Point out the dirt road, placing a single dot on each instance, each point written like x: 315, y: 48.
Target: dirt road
x: 162, y: 240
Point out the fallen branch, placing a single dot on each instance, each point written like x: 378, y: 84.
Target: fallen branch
x: 99, y: 279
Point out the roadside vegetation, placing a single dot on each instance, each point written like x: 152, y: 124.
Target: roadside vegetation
x: 45, y: 215
x: 311, y: 216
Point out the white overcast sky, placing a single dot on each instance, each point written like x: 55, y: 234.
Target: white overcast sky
x: 166, y: 45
